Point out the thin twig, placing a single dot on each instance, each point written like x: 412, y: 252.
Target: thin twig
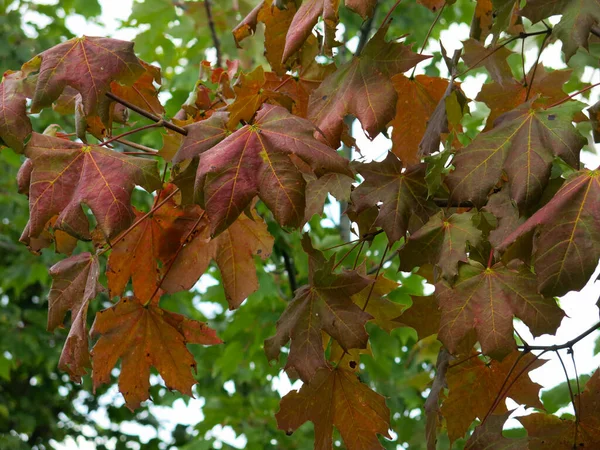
x: 365, y: 30
x: 572, y: 397
x: 137, y: 222
x: 581, y: 91
x: 537, y: 61
x: 148, y: 115
x: 213, y: 30
x: 387, y: 247
x: 290, y: 269
x: 504, y: 44
x: 136, y: 146
x: 162, y: 279
x: 433, y: 24
x: 568, y: 344
x: 572, y: 353
x: 389, y: 14
x: 160, y: 123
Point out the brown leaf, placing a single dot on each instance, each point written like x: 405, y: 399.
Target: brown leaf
x: 362, y: 88
x: 486, y: 299
x: 88, y: 64
x: 74, y: 285
x: 417, y: 99
x: 144, y: 337
x: 488, y: 436
x: 403, y: 195
x: 324, y: 304
x: 142, y: 92
x: 67, y: 174
x: 523, y: 145
x: 481, y: 25
x: 255, y: 160
x: 336, y: 398
x: 140, y: 255
x: 473, y: 386
x: 424, y: 316
x: 339, y: 185
x: 15, y: 125
x: 567, y: 235
x: 233, y: 251
x: 441, y: 241
x: 547, y: 431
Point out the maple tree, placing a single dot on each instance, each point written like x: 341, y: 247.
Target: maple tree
x: 500, y: 219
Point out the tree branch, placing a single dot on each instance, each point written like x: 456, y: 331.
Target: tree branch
x: 148, y: 115
x: 213, y: 30
x: 290, y: 269
x: 568, y: 344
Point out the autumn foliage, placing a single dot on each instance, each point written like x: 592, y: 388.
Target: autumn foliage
x: 500, y: 223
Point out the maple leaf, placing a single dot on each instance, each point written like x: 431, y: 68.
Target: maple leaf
x: 201, y: 136
x: 567, y: 239
x: 481, y: 25
x: 144, y: 337
x: 486, y: 299
x: 15, y: 125
x: 250, y: 95
x: 403, y: 195
x: 523, y: 144
x: 372, y: 300
x: 324, y: 304
x: 309, y: 77
x: 488, y: 436
x: 138, y: 254
x: 336, y: 398
x: 507, y: 214
x: 474, y: 385
x: 339, y: 185
x: 88, y: 64
x: 63, y: 242
x: 233, y: 250
x: 142, y: 92
x: 549, y: 431
x: 441, y: 241
x: 74, y: 285
x: 277, y: 23
x: 255, y: 160
x: 308, y: 15
x: 417, y: 99
x: 575, y: 26
x: 423, y: 315
x: 504, y: 97
x: 362, y: 88
x: 66, y: 175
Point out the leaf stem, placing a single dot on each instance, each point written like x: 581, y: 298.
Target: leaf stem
x: 148, y: 115
x: 504, y: 44
x: 387, y: 247
x: 389, y: 14
x: 537, y: 61
x: 568, y: 344
x: 433, y: 24
x: 160, y: 123
x: 136, y: 146
x: 172, y: 262
x: 213, y: 31
x: 572, y: 397
x: 581, y: 91
x: 137, y: 222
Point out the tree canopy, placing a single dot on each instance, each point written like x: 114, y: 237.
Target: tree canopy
x: 191, y: 214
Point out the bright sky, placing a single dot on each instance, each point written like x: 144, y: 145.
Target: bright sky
x: 580, y: 307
